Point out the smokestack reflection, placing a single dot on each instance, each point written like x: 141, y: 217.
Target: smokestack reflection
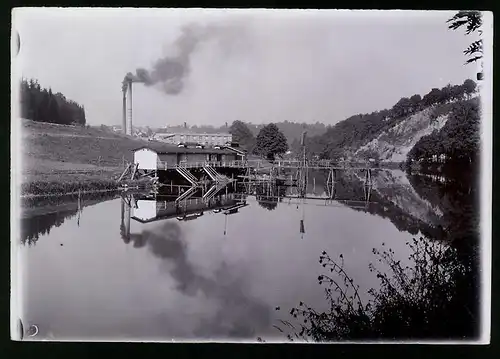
x: 125, y: 221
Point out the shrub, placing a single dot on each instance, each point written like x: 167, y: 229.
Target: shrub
x: 413, y: 302
x: 55, y: 187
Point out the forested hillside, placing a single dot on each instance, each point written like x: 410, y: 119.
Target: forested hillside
x: 388, y: 135
x: 41, y: 105
x: 410, y: 116
x: 458, y: 139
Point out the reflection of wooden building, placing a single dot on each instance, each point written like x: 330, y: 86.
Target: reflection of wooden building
x: 147, y: 210
x: 150, y: 210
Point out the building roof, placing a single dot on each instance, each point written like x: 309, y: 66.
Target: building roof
x: 157, y: 146
x: 191, y: 132
x: 237, y: 150
x: 163, y: 148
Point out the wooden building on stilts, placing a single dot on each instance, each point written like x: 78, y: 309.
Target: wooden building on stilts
x: 162, y: 163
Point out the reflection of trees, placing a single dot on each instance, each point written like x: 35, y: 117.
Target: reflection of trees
x: 351, y: 188
x: 268, y: 195
x: 458, y: 200
x: 436, y: 297
x: 35, y: 226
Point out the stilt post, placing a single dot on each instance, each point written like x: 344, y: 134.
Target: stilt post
x: 124, y: 173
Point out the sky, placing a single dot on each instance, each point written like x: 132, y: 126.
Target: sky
x: 255, y: 66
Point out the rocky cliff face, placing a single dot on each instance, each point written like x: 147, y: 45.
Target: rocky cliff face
x: 394, y: 144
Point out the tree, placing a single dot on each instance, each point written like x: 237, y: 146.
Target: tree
x: 53, y: 110
x: 416, y: 101
x: 271, y: 142
x: 445, y: 94
x: 469, y: 87
x: 82, y: 115
x: 473, y: 21
x: 242, y: 134
x: 42, y: 105
x: 432, y: 97
x: 457, y: 92
x: 402, y: 107
x: 459, y: 139
x: 42, y: 108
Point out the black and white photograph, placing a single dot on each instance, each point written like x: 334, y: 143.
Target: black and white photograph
x: 251, y: 175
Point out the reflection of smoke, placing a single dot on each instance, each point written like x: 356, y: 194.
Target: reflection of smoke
x: 238, y: 315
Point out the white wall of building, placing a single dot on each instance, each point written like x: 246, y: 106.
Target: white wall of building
x: 146, y: 159
x: 145, y: 210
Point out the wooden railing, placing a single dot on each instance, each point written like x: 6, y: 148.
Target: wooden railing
x: 201, y: 164
x: 260, y: 164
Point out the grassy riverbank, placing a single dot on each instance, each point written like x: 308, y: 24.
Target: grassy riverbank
x: 59, y: 160
x: 40, y: 188
x: 64, y: 185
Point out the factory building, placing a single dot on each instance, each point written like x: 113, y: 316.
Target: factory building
x: 206, y: 139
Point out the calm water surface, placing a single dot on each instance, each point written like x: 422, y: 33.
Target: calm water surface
x: 105, y: 272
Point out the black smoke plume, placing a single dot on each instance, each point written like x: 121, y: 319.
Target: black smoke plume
x: 170, y: 72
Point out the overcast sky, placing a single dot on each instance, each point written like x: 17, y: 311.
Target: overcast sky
x: 271, y: 66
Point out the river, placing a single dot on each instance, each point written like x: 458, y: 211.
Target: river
x: 133, y: 267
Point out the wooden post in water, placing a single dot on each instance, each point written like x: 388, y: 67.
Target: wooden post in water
x: 79, y: 206
x: 99, y: 164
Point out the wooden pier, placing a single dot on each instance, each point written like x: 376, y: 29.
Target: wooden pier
x: 263, y: 164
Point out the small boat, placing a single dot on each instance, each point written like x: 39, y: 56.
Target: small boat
x: 235, y: 208
x: 189, y: 217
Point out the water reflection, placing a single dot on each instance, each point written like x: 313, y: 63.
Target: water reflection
x: 436, y: 297
x: 233, y: 256
x: 41, y: 214
x: 157, y: 207
x: 167, y: 242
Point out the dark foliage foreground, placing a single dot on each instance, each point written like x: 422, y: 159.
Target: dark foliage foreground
x: 428, y: 300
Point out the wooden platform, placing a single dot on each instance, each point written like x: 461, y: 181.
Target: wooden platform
x: 262, y: 164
